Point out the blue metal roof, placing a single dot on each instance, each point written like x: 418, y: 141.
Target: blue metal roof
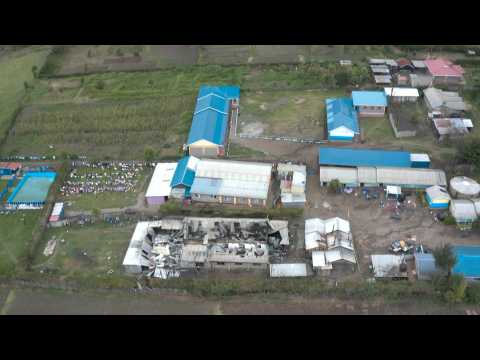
x: 340, y: 112
x: 361, y: 157
x: 228, y: 92
x: 207, y: 186
x: 208, y: 125
x: 212, y: 101
x: 468, y: 261
x: 425, y: 266
x: 210, y: 118
x: 369, y: 98
x: 183, y: 174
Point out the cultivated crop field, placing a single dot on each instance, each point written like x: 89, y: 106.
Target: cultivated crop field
x: 285, y: 113
x: 86, y: 59
x: 103, y: 129
x: 15, y: 70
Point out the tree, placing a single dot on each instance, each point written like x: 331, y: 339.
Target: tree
x: 149, y: 154
x: 445, y: 258
x: 25, y: 85
x: 334, y: 186
x: 343, y: 78
x: 100, y: 85
x: 456, y: 288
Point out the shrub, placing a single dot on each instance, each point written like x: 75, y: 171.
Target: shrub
x: 100, y: 85
x: 456, y: 289
x: 334, y: 186
x: 472, y: 293
x: 449, y: 220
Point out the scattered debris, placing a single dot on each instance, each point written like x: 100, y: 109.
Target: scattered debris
x: 50, y: 248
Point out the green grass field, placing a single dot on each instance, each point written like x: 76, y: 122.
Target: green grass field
x: 104, y: 244
x: 15, y: 231
x: 285, y: 113
x: 15, y: 69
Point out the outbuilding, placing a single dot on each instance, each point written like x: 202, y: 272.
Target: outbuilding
x: 445, y: 72
x: 397, y: 94
x: 9, y: 168
x: 463, y: 211
x: 369, y: 103
x: 159, y: 188
x: 437, y: 197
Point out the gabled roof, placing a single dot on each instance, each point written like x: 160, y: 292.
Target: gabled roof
x: 340, y: 112
x: 363, y: 157
x: 404, y: 62
x: 210, y: 117
x: 185, y: 172
x: 208, y: 125
x: 369, y: 98
x: 212, y: 101
x: 228, y: 92
x: 443, y: 67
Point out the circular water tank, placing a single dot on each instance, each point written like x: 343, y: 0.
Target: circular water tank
x: 462, y: 187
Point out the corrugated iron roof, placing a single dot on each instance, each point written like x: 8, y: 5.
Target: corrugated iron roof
x: 363, y: 157
x: 288, y: 270
x: 468, y: 261
x: 340, y: 112
x: 369, y: 98
x: 185, y: 172
x: 161, y: 180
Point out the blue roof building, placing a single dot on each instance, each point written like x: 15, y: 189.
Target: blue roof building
x: 370, y: 103
x: 210, y: 126
x: 342, y: 122
x: 185, y: 172
x: 209, y: 130
x: 369, y: 98
x: 468, y: 261
x: 329, y: 156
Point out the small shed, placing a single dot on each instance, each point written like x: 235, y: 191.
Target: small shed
x: 393, y: 192
x: 397, y: 94
x: 383, y: 79
x: 288, y: 270
x: 389, y: 266
x: 370, y: 103
x: 420, y: 161
x: 425, y: 266
x: 463, y: 211
x: 437, y: 197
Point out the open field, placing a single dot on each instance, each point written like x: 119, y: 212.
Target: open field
x: 88, y: 59
x: 15, y: 69
x: 103, y: 244
x: 104, y: 129
x: 15, y: 230
x: 285, y: 113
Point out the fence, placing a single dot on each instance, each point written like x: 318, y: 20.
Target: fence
x: 283, y: 138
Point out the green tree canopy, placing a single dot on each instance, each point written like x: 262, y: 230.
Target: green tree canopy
x: 445, y: 258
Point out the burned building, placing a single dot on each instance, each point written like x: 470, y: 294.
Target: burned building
x: 168, y: 247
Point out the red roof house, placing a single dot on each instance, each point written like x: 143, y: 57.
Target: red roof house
x: 444, y: 71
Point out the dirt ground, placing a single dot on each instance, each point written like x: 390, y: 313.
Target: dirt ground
x: 373, y: 229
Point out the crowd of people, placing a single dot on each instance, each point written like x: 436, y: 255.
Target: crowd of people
x: 99, y: 177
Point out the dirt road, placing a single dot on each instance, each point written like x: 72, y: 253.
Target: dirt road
x: 53, y: 302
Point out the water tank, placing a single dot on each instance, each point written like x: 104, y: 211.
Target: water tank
x: 462, y: 187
